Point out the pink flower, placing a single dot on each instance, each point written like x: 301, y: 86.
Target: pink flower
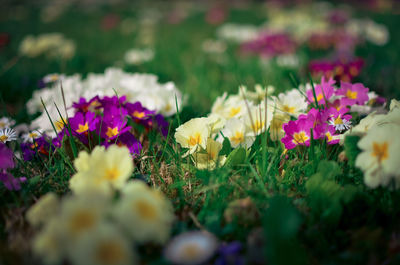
x: 353, y: 93
x: 323, y: 91
x: 297, y: 133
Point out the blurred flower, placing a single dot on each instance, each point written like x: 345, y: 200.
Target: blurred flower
x: 323, y: 91
x: 53, y: 45
x: 7, y: 162
x: 191, y: 248
x: 105, y: 245
x: 109, y: 22
x: 6, y: 122
x: 237, y: 33
x: 44, y: 209
x: 270, y: 45
x: 352, y: 93
x: 209, y: 158
x: 138, y: 56
x: 144, y: 212
x: 229, y: 254
x: 216, y: 14
x: 379, y: 157
x: 344, y: 70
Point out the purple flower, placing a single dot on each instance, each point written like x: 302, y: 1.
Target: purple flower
x: 139, y: 113
x: 10, y: 182
x: 229, y: 254
x: 6, y: 157
x: 353, y: 93
x: 85, y: 106
x: 114, y: 123
x: 83, y: 123
x: 270, y: 45
x: 323, y: 91
x: 7, y: 162
x: 108, y: 102
x: 297, y: 132
x: 129, y: 140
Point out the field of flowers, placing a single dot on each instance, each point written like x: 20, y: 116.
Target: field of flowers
x: 199, y: 132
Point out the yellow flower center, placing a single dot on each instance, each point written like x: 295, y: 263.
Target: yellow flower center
x: 288, y: 109
x: 258, y: 125
x: 145, y: 210
x: 338, y: 121
x: 237, y: 138
x: 111, y: 132
x: 53, y: 78
x: 320, y: 96
x: 3, y: 138
x: 32, y: 135
x: 329, y: 136
x: 191, y: 251
x: 60, y: 125
x: 194, y: 140
x: 83, y: 128
x: 110, y: 253
x: 81, y: 221
x: 112, y: 174
x: 300, y: 137
x: 351, y: 94
x: 234, y: 111
x: 167, y: 107
x: 380, y: 151
x: 139, y: 115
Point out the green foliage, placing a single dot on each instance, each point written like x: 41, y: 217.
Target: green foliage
x: 351, y: 148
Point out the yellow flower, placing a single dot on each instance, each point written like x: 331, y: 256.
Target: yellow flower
x: 102, y: 170
x: 209, y: 159
x: 45, y: 208
x: 379, y: 159
x: 193, y: 134
x: 145, y: 213
x: 105, y: 245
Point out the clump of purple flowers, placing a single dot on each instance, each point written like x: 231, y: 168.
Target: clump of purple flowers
x: 341, y: 69
x: 7, y: 163
x: 270, y: 45
x: 328, y: 115
x: 103, y: 121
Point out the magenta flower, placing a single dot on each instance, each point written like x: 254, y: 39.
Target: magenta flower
x: 323, y: 91
x: 297, y: 133
x: 84, y: 123
x: 270, y: 45
x: 139, y: 113
x: 353, y: 93
x: 7, y: 162
x: 85, y: 106
x: 338, y: 118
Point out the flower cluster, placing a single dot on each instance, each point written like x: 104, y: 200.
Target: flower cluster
x: 52, y: 45
x: 104, y: 121
x: 161, y: 98
x: 138, y: 56
x: 270, y: 45
x: 329, y: 115
x: 89, y: 226
x: 344, y: 70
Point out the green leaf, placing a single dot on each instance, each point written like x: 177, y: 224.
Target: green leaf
x: 236, y: 157
x: 351, y: 149
x: 226, y: 147
x: 329, y: 169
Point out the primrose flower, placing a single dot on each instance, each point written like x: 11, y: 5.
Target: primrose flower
x: 291, y: 103
x: 209, y: 158
x: 235, y: 131
x: 379, y: 159
x: 106, y: 245
x: 276, y: 127
x: 114, y: 123
x: 84, y: 123
x: 297, y: 133
x: 353, y: 93
x: 191, y: 248
x: 323, y: 91
x: 102, y: 170
x: 7, y: 135
x: 6, y: 122
x: 193, y: 134
x: 258, y: 119
x: 44, y: 209
x: 144, y: 212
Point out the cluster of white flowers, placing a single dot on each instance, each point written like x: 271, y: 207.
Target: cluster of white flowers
x: 238, y: 118
x: 375, y: 33
x: 52, y: 45
x: 145, y: 88
x: 237, y: 32
x: 380, y: 147
x: 90, y: 226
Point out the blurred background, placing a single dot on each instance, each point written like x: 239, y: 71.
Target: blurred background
x: 205, y: 47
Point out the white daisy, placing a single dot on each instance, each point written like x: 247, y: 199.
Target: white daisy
x: 30, y: 136
x: 7, y: 135
x: 191, y: 248
x: 340, y: 124
x: 6, y: 122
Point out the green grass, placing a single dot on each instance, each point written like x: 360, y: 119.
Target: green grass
x: 312, y: 206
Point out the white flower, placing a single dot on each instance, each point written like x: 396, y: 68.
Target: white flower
x: 43, y: 210
x: 235, y: 131
x: 144, y: 213
x: 138, y: 56
x: 291, y: 103
x: 191, y: 248
x: 258, y: 119
x: 7, y: 135
x: 6, y: 122
x: 237, y: 32
x: 340, y: 124
x: 289, y: 60
x: 193, y: 134
x: 379, y: 159
x: 209, y: 158
x: 106, y: 245
x: 30, y: 136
